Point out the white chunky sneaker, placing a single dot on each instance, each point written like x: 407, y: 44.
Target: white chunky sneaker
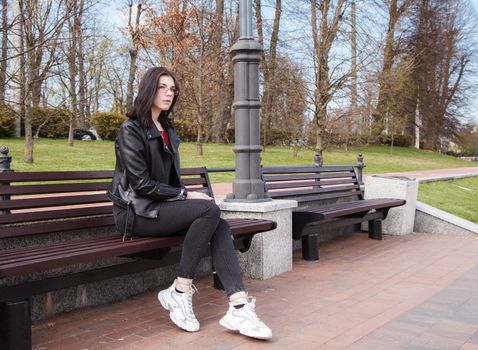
x: 180, y: 306
x: 246, y: 321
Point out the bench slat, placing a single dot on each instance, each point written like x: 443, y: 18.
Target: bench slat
x: 56, y: 226
x: 53, y: 188
x: 306, y: 169
x: 55, y: 175
x: 314, y: 191
x: 53, y: 201
x: 317, y: 197
x: 311, y: 176
x: 193, y: 171
x: 195, y: 181
x: 28, y: 216
x: 280, y: 185
x: 42, y: 248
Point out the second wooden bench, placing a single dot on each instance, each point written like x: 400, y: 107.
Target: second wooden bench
x: 329, y: 197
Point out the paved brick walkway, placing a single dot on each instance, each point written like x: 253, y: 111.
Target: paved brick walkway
x: 406, y: 292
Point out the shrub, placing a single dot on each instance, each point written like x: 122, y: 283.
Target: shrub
x: 185, y: 129
x: 50, y: 122
x: 280, y: 137
x: 107, y: 124
x: 7, y: 121
x: 398, y: 140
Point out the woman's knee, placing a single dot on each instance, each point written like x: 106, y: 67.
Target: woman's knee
x: 211, y: 209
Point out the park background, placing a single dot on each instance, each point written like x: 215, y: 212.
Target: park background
x: 333, y: 73
x: 392, y: 80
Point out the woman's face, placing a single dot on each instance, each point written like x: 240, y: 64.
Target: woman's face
x: 165, y: 94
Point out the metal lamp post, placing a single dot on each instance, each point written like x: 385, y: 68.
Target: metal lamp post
x: 246, y: 56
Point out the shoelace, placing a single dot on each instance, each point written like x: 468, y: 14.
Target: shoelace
x: 251, y: 305
x: 190, y: 300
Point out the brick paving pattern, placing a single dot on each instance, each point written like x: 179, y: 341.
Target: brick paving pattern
x: 406, y: 292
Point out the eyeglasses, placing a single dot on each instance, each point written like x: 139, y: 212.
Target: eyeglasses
x: 164, y: 89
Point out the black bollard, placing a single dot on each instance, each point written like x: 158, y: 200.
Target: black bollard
x: 317, y: 159
x: 360, y: 167
x: 5, y: 161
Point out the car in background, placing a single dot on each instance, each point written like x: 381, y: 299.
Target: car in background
x: 85, y: 135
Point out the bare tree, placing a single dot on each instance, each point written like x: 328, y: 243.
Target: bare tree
x: 48, y: 24
x: 353, y: 73
x: 17, y: 69
x: 268, y: 66
x: 323, y: 38
x: 440, y: 61
x: 72, y: 9
x: 135, y: 31
x: 225, y: 83
x: 29, y: 12
x: 3, y: 58
x: 396, y: 11
x: 82, y: 88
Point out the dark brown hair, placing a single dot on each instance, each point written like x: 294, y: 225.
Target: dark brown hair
x: 144, y: 100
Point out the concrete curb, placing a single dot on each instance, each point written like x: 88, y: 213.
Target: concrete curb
x: 446, y: 178
x: 429, y: 219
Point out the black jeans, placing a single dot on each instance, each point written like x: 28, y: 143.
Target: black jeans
x: 201, y: 219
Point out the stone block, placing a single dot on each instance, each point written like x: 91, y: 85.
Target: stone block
x: 400, y: 220
x: 270, y: 253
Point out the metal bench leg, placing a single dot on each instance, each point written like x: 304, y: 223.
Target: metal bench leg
x: 375, y: 229
x: 15, y: 323
x: 310, y: 249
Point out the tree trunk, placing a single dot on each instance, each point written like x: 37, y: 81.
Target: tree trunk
x: 395, y: 12
x: 72, y: 68
x: 29, y: 13
x: 223, y: 100
x: 3, y: 64
x: 417, y: 125
x: 18, y: 66
x: 353, y: 89
x: 135, y: 33
x: 81, y: 66
x: 268, y: 68
x: 322, y: 46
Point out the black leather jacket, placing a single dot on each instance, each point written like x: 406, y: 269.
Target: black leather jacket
x: 146, y: 171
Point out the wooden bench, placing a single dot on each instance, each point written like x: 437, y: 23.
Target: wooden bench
x: 72, y: 209
x: 329, y: 197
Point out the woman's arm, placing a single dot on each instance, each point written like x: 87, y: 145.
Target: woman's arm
x: 133, y: 155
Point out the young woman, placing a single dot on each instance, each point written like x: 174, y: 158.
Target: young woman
x: 150, y: 200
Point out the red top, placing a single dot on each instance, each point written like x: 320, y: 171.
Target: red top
x: 165, y: 136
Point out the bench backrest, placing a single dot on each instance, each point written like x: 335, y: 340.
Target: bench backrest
x: 56, y: 201
x: 311, y: 183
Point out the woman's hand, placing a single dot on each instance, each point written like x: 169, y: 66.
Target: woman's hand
x: 198, y: 195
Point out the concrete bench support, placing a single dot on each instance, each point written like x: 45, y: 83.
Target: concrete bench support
x: 270, y: 253
x: 399, y: 220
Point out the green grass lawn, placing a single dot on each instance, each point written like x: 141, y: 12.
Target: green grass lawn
x: 459, y: 197
x: 57, y: 155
